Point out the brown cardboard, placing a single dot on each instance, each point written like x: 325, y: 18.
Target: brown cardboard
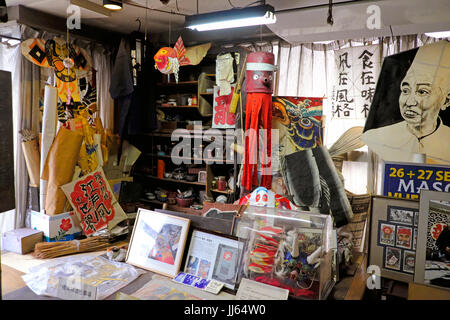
x: 59, y: 168
x: 32, y: 160
x: 22, y: 240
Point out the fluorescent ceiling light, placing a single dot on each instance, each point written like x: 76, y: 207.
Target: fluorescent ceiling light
x: 440, y: 34
x: 114, y: 5
x: 234, y: 18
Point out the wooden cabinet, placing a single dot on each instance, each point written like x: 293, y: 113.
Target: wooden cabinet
x: 175, y: 113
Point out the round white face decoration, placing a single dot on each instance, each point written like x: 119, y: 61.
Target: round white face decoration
x: 262, y: 198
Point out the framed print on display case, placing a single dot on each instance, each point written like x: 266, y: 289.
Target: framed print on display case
x: 213, y: 256
x: 392, y: 238
x: 157, y: 242
x: 433, y: 240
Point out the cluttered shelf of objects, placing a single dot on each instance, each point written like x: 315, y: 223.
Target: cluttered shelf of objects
x: 160, y: 230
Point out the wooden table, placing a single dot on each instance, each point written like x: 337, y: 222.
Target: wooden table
x: 13, y: 287
x: 418, y: 291
x: 11, y: 280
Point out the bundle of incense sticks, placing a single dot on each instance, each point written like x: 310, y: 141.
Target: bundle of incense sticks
x: 48, y: 250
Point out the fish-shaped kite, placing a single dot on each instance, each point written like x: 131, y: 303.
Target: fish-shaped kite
x: 168, y: 60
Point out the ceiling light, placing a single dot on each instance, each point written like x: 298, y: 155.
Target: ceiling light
x: 85, y: 4
x: 440, y: 34
x: 234, y: 18
x: 113, y: 4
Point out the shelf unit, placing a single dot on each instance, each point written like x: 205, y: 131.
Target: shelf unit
x: 171, y: 180
x: 202, y: 88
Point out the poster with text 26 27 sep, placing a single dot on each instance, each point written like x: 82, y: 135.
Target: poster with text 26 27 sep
x: 405, y: 180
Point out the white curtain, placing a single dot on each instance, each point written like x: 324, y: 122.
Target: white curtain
x: 102, y: 63
x: 307, y: 70
x: 26, y: 78
x: 10, y: 61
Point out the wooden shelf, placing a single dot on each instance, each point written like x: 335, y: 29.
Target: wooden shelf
x: 207, y: 161
x: 151, y: 201
x: 228, y: 191
x: 178, y: 107
x: 171, y: 180
x: 206, y: 93
x: 173, y: 207
x: 169, y: 157
x: 181, y: 83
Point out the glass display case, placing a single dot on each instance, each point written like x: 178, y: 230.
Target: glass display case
x: 287, y: 249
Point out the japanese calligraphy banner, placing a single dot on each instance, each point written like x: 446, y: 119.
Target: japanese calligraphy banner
x: 222, y: 117
x: 405, y: 180
x: 94, y: 203
x: 357, y: 70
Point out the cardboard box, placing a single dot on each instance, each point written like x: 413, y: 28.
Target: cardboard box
x: 62, y: 227
x: 22, y: 240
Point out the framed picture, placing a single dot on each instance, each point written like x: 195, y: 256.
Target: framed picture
x: 157, y: 242
x: 213, y: 256
x: 409, y: 261
x: 433, y: 240
x: 387, y: 233
x: 392, y: 236
x: 202, y: 176
x: 404, y: 237
x: 392, y: 258
x: 400, y: 215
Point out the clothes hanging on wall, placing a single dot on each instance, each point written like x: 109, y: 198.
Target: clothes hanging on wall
x: 122, y: 83
x: 137, y: 113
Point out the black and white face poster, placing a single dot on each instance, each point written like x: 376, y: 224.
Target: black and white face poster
x: 409, y: 114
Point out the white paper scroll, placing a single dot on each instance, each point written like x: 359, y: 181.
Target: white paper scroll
x: 98, y: 150
x: 49, y: 119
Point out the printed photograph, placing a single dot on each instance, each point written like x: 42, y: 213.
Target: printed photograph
x: 203, y: 268
x: 387, y: 234
x: 401, y: 215
x: 437, y: 271
x: 416, y: 218
x: 157, y: 242
x: 225, y: 267
x: 392, y: 258
x: 404, y: 237
x: 166, y: 242
x: 192, y: 265
x: 409, y: 261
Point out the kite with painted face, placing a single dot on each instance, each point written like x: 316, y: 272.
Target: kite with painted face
x: 169, y: 60
x: 70, y: 63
